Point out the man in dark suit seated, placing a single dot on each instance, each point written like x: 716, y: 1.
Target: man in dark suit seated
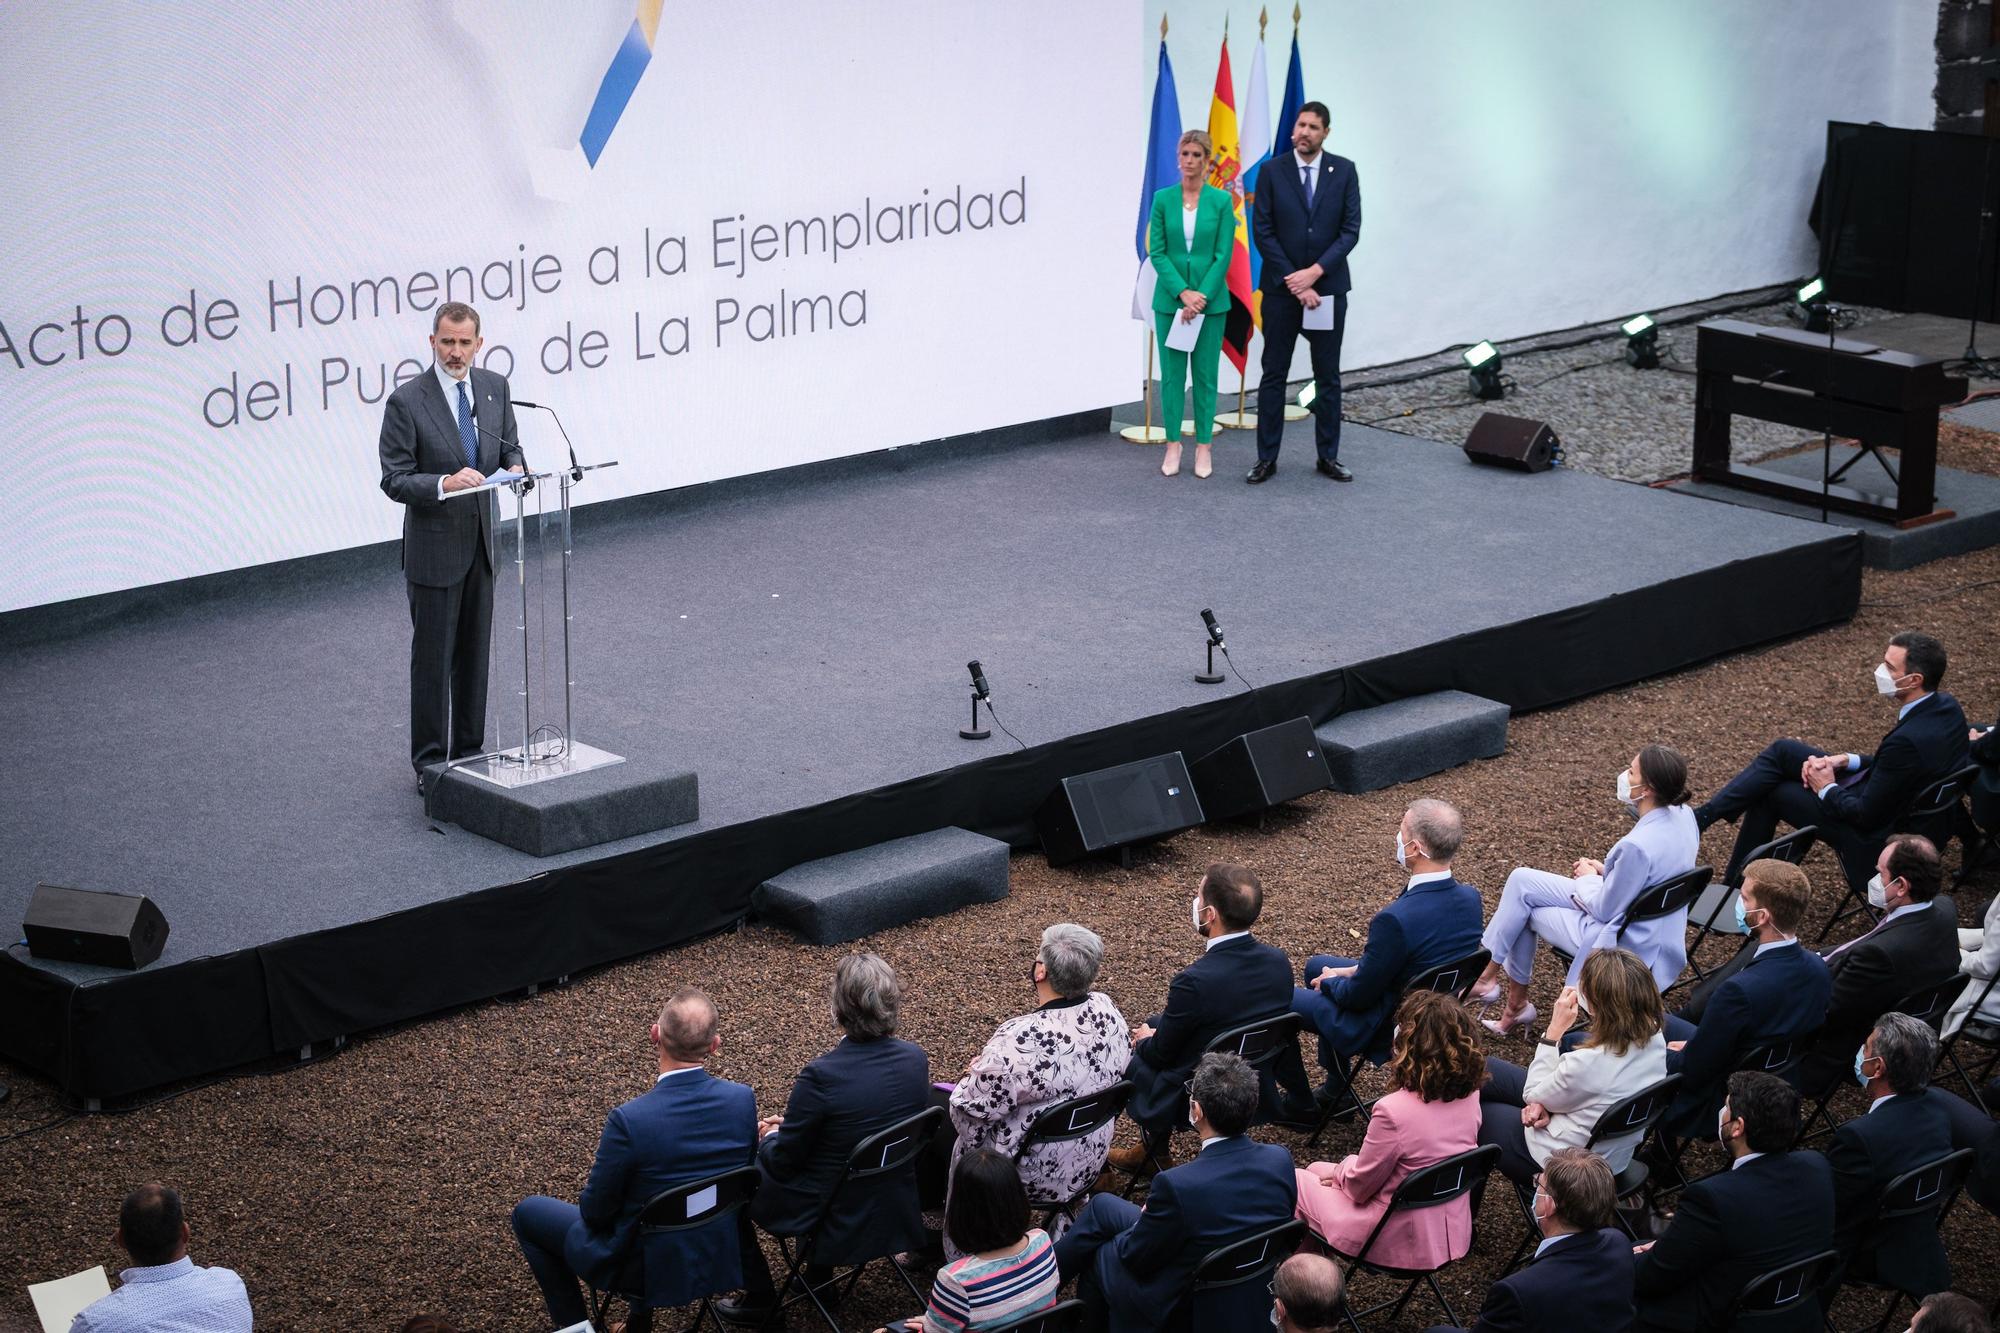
x: 1237, y: 980
x: 1903, y: 1128
x: 1581, y: 1274
x: 689, y: 1125
x: 1771, y: 1208
x: 1306, y: 1294
x: 1853, y: 799
x: 1949, y: 1312
x: 1133, y: 1267
x: 1780, y: 994
x: 1433, y: 922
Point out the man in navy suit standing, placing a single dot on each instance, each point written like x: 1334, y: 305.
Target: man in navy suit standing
x: 688, y: 1126
x: 1305, y: 219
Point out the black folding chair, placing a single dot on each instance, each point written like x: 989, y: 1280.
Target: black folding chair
x: 1774, y: 1058
x: 1941, y: 803
x: 875, y: 1159
x: 1676, y: 893
x: 1257, y: 1042
x: 1225, y: 1292
x: 1453, y: 979
x: 1628, y: 1118
x: 1055, y: 1319
x: 698, y: 1203
x: 1931, y: 1188
x: 1077, y: 1118
x: 1779, y: 1291
x: 1792, y: 848
x: 1454, y: 1178
x: 1929, y: 1004
x: 1979, y: 1033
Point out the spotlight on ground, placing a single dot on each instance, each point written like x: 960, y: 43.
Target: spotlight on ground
x: 1812, y: 296
x: 1642, y: 342
x: 1484, y: 360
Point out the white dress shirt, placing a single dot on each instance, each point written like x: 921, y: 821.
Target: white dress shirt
x: 179, y: 1297
x: 1232, y: 935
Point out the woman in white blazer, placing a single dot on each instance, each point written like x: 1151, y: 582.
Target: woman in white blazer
x: 1555, y: 1102
x: 1978, y: 958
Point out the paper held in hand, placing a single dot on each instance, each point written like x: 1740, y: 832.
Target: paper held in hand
x: 1319, y: 316
x: 1184, y: 333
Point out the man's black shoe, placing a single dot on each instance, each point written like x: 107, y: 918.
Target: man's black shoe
x: 1334, y: 470
x: 1260, y: 473
x: 739, y: 1313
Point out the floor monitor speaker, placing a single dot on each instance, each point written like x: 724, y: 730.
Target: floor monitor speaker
x: 1113, y: 807
x: 1260, y: 769
x: 83, y: 926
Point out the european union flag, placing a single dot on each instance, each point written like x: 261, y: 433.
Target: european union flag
x: 1162, y: 143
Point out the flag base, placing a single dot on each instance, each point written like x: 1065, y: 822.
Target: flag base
x: 1293, y: 412
x: 1144, y: 434
x: 1237, y: 421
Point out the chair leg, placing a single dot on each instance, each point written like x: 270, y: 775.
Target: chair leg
x: 921, y: 1295
x: 1450, y: 1315
x: 1532, y: 1235
x: 1409, y: 1290
x: 1895, y: 1299
x: 1345, y: 1102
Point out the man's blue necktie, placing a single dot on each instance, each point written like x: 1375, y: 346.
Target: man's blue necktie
x: 468, y: 434
x: 1306, y: 179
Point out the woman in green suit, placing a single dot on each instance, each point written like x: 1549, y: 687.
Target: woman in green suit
x: 1190, y: 239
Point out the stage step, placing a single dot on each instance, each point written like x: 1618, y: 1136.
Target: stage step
x: 1372, y: 748
x: 857, y: 893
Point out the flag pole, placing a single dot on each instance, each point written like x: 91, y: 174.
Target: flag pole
x: 1148, y: 433
x: 1293, y: 412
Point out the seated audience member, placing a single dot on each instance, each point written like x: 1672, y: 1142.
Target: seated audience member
x: 1949, y: 1312
x: 1771, y: 1208
x: 869, y: 1081
x: 1237, y: 980
x: 1009, y: 1268
x: 1432, y: 922
x: 1913, y: 946
x: 1979, y: 959
x: 1073, y: 1043
x: 1972, y: 1127
x: 1133, y: 1267
x: 1555, y: 1102
x: 1430, y: 1112
x: 686, y: 1126
x: 1903, y: 1128
x: 1852, y: 799
x: 1306, y: 1294
x: 1584, y: 910
x: 1581, y: 1275
x: 1779, y: 994
x: 164, y: 1288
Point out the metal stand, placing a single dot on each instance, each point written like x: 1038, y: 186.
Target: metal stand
x: 975, y: 732
x: 1210, y: 676
x: 1974, y: 362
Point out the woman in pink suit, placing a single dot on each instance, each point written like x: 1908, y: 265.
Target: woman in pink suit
x: 1430, y: 1113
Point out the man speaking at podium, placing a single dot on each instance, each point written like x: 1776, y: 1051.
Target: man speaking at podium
x: 443, y: 432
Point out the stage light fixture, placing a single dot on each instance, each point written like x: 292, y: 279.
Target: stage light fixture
x: 1483, y: 358
x: 1642, y: 342
x: 1812, y: 296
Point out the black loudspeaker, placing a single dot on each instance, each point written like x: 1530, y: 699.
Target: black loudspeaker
x: 1516, y: 442
x: 1101, y: 811
x: 1260, y: 769
x: 81, y: 926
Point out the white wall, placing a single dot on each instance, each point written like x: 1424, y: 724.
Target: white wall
x: 1536, y: 164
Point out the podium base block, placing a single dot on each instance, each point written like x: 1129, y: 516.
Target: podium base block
x: 556, y: 804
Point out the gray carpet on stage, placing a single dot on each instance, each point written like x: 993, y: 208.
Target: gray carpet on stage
x: 243, y: 758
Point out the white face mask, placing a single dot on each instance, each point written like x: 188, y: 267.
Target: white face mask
x: 1402, y: 852
x: 1877, y: 895
x: 1195, y: 912
x: 1625, y: 797
x: 1722, y: 1127
x: 1884, y: 682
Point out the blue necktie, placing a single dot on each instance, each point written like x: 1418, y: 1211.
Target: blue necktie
x: 1306, y: 179
x: 468, y: 435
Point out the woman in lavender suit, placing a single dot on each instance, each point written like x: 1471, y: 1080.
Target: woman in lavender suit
x: 1074, y: 1043
x: 1585, y: 910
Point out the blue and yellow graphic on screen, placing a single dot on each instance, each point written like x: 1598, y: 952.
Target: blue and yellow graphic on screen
x: 633, y: 55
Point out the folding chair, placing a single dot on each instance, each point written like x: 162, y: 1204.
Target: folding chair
x: 1077, y: 1118
x: 1257, y: 1042
x: 1931, y: 1188
x: 1454, y: 1178
x: 1929, y: 1004
x: 1980, y: 1033
x: 876, y: 1158
x: 1630, y: 1118
x: 1055, y: 1319
x: 1708, y: 904
x: 1676, y: 893
x: 1776, y: 1058
x: 1939, y: 800
x: 1778, y: 1291
x: 698, y: 1203
x: 1225, y: 1292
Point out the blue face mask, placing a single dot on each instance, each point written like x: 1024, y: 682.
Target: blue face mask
x: 1860, y: 1059
x: 1741, y: 923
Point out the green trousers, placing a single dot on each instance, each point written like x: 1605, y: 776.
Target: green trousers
x: 1207, y: 359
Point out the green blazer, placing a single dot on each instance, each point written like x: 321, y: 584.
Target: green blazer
x: 1204, y: 268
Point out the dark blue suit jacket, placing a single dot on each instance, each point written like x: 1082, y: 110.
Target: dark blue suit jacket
x: 1580, y: 1282
x: 1291, y: 236
x: 1731, y: 1227
x: 1780, y: 994
x: 1235, y: 1188
x: 1429, y: 925
x: 689, y: 1126
x: 1925, y: 744
x: 1236, y: 982
x: 1868, y: 1152
x: 854, y: 1090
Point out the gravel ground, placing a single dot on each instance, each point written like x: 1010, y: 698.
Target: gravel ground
x: 355, y: 1191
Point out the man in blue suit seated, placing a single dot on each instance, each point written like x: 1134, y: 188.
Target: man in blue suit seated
x: 1852, y: 799
x: 1434, y: 922
x: 1134, y: 1266
x: 1779, y: 995
x: 1581, y: 1274
x: 688, y: 1126
x: 1238, y: 979
x: 1773, y: 1207
x: 1904, y: 1128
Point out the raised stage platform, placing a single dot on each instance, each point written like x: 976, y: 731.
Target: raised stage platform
x: 236, y: 749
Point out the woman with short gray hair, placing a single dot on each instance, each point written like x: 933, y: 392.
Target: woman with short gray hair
x: 1074, y: 1042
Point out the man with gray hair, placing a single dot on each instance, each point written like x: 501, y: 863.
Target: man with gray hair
x: 1306, y: 1294
x: 1351, y: 1002
x: 1904, y: 1128
x: 687, y: 1126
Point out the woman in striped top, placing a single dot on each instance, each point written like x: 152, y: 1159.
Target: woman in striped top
x: 1009, y: 1269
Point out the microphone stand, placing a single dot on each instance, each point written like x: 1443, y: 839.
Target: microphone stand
x: 1973, y: 360
x: 975, y: 732
x: 569, y: 478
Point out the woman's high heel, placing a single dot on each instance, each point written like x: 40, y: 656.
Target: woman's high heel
x: 1507, y: 1024
x: 1172, y: 466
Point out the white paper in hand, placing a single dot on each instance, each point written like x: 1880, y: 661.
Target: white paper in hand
x: 58, y: 1303
x: 1319, y: 316
x: 1184, y: 333
x: 1142, y: 291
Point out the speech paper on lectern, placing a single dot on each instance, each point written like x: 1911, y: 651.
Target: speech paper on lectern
x: 719, y: 238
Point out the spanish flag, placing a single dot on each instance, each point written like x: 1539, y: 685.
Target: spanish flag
x: 1224, y: 172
